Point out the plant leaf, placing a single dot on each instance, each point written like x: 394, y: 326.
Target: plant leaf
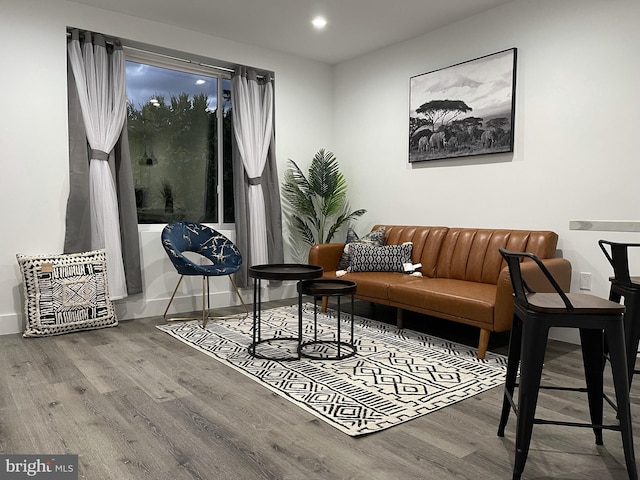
x: 318, y: 202
x: 341, y: 220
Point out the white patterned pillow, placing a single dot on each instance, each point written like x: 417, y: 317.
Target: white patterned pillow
x: 388, y: 258
x: 375, y: 238
x: 66, y: 293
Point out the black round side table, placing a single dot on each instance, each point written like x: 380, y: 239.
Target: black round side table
x: 282, y: 271
x: 326, y: 287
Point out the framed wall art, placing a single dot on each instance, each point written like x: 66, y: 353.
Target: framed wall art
x: 462, y: 110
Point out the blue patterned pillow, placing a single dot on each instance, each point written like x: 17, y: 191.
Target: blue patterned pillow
x: 388, y: 258
x: 374, y: 238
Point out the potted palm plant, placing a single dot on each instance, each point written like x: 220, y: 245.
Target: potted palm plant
x: 316, y: 205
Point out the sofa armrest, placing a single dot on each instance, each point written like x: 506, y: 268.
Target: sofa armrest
x: 560, y: 269
x: 327, y: 255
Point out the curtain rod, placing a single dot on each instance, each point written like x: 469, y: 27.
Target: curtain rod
x: 179, y: 59
x: 164, y: 55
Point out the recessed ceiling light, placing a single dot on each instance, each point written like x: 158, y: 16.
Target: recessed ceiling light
x: 199, y: 81
x: 319, y: 23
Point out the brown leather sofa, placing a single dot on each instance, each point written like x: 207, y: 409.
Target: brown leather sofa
x: 464, y: 278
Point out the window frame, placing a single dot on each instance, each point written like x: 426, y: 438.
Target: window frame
x: 157, y: 59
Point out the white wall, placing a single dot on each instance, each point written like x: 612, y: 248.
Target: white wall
x: 576, y: 128
x: 575, y: 155
x: 33, y: 135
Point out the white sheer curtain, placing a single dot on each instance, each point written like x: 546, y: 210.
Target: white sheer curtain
x: 253, y: 127
x: 100, y: 80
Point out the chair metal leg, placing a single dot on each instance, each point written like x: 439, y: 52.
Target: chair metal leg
x: 592, y: 341
x: 631, y: 325
x: 244, y: 305
x: 206, y: 304
x: 222, y: 317
x: 172, y: 295
x: 632, y: 331
x: 178, y: 319
x: 533, y: 351
x: 513, y: 360
x: 615, y: 334
x: 205, y: 311
x: 245, y: 314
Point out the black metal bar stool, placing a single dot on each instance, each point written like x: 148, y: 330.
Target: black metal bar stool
x: 534, y: 315
x: 625, y: 286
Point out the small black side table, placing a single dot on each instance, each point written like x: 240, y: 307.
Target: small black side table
x: 326, y: 287
x: 281, y: 271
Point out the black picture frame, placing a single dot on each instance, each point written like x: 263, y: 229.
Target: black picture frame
x: 463, y: 110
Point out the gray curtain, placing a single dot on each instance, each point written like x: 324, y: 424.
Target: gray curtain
x: 273, y: 210
x: 78, y: 219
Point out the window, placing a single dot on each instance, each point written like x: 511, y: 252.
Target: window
x: 179, y: 126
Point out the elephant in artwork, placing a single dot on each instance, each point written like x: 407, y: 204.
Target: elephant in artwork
x: 423, y: 143
x: 437, y: 141
x: 452, y: 143
x: 487, y: 138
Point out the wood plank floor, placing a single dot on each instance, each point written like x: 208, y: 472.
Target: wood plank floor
x: 134, y: 403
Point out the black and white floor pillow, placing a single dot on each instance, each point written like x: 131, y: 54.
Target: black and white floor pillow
x: 66, y: 293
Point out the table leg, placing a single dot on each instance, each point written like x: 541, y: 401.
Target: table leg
x: 338, y: 333
x: 253, y: 330
x: 299, y: 320
x: 351, y: 319
x: 257, y: 308
x: 315, y: 318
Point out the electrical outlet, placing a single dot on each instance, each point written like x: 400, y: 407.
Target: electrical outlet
x: 585, y: 281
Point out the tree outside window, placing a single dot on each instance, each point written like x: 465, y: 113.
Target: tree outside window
x: 179, y: 126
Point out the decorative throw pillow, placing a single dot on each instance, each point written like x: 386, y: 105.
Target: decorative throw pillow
x: 388, y: 258
x: 66, y: 293
x: 375, y: 238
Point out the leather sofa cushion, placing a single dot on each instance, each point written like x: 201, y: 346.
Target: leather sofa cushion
x: 458, y: 298
x: 472, y: 254
x: 468, y: 253
x: 375, y: 284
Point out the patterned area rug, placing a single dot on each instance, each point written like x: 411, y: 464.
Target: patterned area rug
x: 396, y: 375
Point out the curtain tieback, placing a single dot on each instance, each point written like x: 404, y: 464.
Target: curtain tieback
x: 255, y: 181
x: 99, y: 155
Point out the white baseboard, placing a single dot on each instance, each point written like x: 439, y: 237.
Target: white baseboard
x: 11, y: 323
x: 138, y: 307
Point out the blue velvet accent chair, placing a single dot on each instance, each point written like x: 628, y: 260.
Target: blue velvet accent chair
x: 225, y: 258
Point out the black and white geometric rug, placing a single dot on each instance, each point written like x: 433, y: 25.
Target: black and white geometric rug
x: 395, y: 376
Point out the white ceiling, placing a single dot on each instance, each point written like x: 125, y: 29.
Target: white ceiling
x: 355, y: 27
